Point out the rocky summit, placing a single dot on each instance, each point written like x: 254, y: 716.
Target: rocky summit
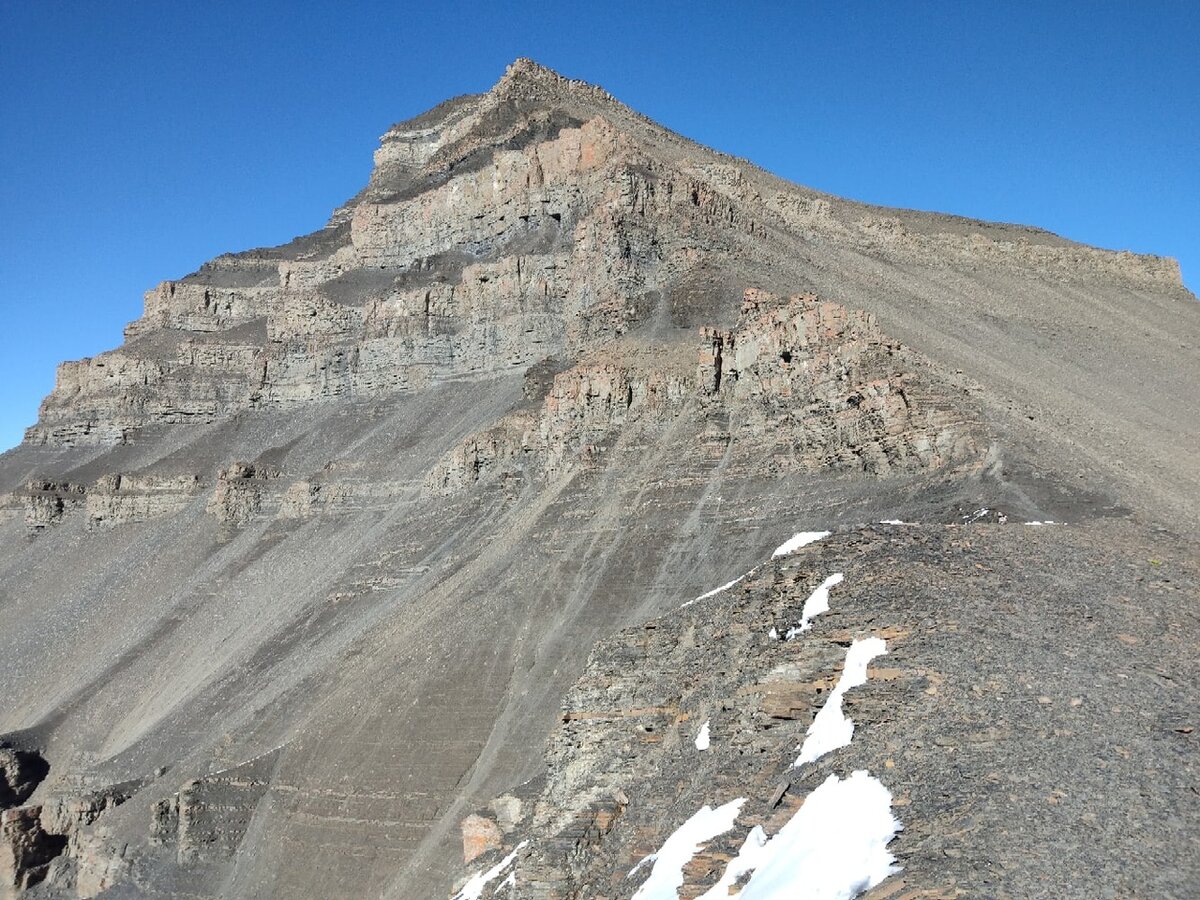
x: 584, y: 513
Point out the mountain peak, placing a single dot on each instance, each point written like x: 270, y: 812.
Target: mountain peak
x: 525, y: 69
x: 312, y: 565
x: 527, y: 79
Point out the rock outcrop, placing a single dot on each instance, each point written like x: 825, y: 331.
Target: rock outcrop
x: 208, y: 817
x: 819, y: 386
x: 21, y: 771
x: 48, y: 502
x: 117, y: 499
x: 239, y: 492
x: 969, y: 719
x: 26, y: 848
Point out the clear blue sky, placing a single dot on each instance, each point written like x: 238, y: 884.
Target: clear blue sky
x: 138, y: 139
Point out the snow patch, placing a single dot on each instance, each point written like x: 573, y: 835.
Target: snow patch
x: 894, y: 522
x: 817, y: 603
x: 830, y: 728
x: 702, y: 739
x: 646, y: 860
x: 473, y: 889
x: 833, y: 848
x: 716, y: 591
x: 756, y: 851
x: 667, y: 875
x: 798, y: 540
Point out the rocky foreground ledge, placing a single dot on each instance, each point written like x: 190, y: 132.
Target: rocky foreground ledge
x: 904, y: 710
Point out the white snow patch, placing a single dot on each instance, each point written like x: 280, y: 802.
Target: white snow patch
x: 716, y: 591
x: 755, y: 852
x: 894, y: 522
x: 1047, y: 522
x: 667, y: 875
x: 798, y: 540
x: 830, y: 728
x: 773, y: 634
x: 702, y: 737
x: 642, y: 862
x: 473, y: 889
x: 817, y: 603
x: 833, y: 848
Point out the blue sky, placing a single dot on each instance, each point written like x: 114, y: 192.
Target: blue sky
x: 138, y: 139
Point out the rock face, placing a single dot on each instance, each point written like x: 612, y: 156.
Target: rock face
x: 480, y: 834
x: 117, y: 499
x: 208, y: 817
x: 293, y: 584
x: 818, y: 385
x: 26, y: 848
x: 20, y: 773
x: 973, y: 717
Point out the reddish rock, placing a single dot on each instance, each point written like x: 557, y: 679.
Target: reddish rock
x: 479, y: 835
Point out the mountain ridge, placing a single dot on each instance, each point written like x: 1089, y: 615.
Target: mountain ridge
x: 524, y: 76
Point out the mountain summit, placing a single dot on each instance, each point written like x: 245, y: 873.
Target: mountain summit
x: 386, y: 562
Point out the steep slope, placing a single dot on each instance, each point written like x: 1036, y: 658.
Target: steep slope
x: 297, y: 577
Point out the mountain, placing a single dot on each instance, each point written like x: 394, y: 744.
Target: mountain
x: 386, y: 562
